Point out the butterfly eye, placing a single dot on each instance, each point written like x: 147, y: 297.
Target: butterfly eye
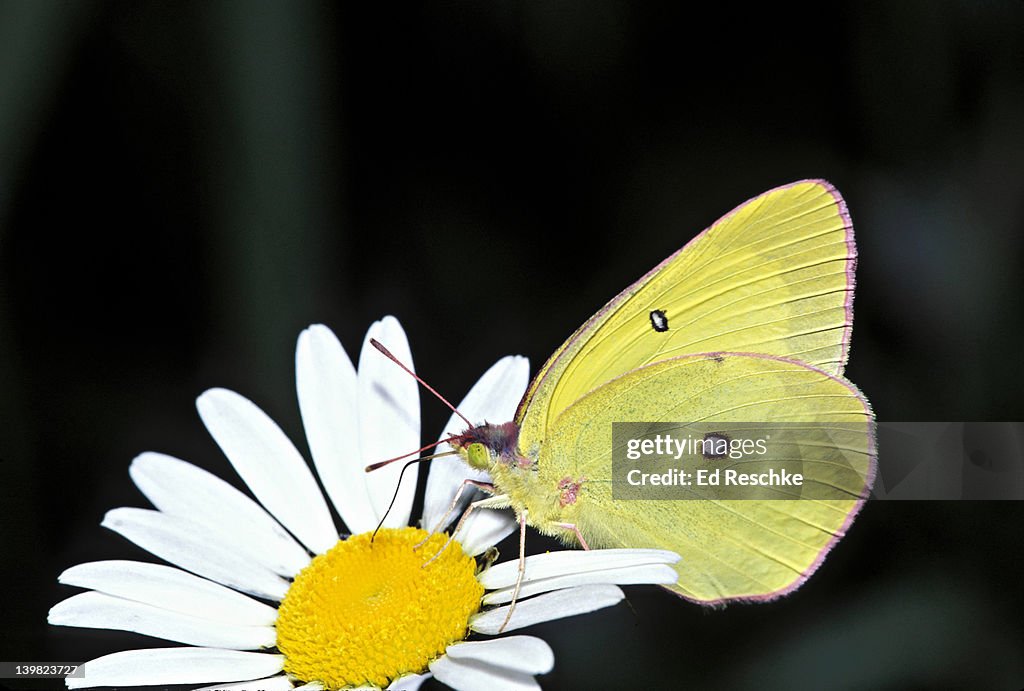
x: 478, y: 456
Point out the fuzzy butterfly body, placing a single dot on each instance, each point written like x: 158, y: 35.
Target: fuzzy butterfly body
x: 750, y: 321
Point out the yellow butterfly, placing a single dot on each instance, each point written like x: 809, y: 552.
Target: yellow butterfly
x: 750, y: 321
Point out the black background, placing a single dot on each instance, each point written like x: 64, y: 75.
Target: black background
x: 184, y: 188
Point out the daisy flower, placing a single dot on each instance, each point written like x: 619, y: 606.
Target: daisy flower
x: 368, y: 612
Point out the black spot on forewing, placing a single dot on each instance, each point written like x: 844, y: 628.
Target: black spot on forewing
x: 659, y: 321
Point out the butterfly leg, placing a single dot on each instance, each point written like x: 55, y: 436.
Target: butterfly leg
x: 522, y: 569
x: 485, y: 486
x: 575, y: 529
x: 498, y: 501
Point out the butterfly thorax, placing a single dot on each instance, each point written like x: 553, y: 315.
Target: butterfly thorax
x: 495, y: 448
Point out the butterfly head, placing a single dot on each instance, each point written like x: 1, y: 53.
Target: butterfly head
x: 485, y: 445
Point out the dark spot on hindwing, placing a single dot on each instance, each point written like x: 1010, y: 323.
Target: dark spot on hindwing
x: 659, y: 321
x: 715, y: 446
x: 718, y: 358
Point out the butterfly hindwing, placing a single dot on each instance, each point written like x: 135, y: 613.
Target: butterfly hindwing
x: 732, y: 549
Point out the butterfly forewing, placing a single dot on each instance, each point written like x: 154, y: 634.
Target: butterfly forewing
x: 774, y: 276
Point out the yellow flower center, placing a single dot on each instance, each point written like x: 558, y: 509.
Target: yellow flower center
x: 367, y: 613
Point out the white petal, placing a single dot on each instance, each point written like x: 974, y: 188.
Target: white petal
x: 182, y: 489
x: 192, y: 547
x: 170, y: 588
x: 312, y: 686
x: 471, y: 675
x: 270, y: 465
x: 661, y: 574
x: 102, y: 611
x: 270, y: 684
x: 328, y: 399
x: 526, y: 654
x: 410, y: 682
x: 493, y: 398
x: 572, y: 561
x: 153, y: 666
x: 485, y: 528
x: 556, y: 605
x: 389, y: 419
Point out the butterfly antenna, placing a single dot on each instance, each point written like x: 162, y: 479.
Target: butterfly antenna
x: 377, y: 344
x: 398, y: 485
x: 380, y: 464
